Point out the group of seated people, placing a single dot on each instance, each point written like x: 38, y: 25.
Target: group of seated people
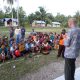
x: 35, y: 43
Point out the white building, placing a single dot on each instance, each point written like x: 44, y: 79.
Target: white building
x: 37, y: 23
x: 56, y: 24
x: 8, y: 22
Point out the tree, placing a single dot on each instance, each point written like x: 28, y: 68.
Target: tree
x: 42, y: 13
x: 1, y: 14
x: 49, y: 18
x: 22, y: 16
x: 11, y: 2
x: 77, y: 16
x: 1, y: 17
x: 14, y: 12
x: 37, y: 15
x: 31, y: 17
x: 62, y: 19
x: 7, y: 12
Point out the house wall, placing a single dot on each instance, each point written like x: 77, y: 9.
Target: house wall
x: 55, y: 25
x: 6, y: 25
x: 38, y: 25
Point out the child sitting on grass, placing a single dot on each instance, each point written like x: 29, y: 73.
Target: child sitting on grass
x: 22, y: 48
x: 3, y: 56
x: 27, y: 48
x: 12, y: 51
x: 45, y: 47
x: 56, y: 42
x: 37, y: 46
x: 17, y: 53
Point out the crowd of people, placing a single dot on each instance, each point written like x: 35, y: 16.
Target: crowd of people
x: 67, y: 44
x: 35, y: 43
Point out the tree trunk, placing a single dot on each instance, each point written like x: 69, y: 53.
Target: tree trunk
x: 12, y: 14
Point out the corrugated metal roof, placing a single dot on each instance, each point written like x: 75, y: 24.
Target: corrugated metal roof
x: 39, y: 22
x: 56, y: 23
x: 6, y: 19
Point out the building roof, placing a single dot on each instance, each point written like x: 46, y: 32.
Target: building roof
x: 39, y: 22
x: 56, y: 23
x: 7, y: 19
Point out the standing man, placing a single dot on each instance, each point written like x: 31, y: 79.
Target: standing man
x: 23, y: 33
x: 11, y: 32
x: 72, y: 44
x: 18, y: 34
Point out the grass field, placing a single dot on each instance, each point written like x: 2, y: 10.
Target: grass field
x: 24, y: 66
x: 15, y: 69
x: 5, y: 30
x: 45, y: 29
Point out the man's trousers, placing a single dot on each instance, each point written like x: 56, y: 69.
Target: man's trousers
x: 69, y: 69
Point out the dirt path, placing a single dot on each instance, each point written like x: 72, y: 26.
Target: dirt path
x: 49, y: 72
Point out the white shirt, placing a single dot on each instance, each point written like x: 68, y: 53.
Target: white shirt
x: 17, y: 31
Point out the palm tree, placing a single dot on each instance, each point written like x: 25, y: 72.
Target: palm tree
x: 77, y: 16
x: 42, y: 12
x: 11, y: 2
x: 18, y: 11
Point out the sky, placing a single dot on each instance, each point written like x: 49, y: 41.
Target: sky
x: 66, y: 7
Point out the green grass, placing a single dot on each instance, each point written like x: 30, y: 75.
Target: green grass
x: 24, y: 66
x: 5, y: 30
x: 58, y: 30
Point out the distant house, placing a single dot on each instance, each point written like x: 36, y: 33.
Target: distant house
x: 8, y: 22
x: 56, y: 24
x: 37, y: 23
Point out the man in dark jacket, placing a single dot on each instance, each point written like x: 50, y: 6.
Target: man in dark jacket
x: 22, y: 32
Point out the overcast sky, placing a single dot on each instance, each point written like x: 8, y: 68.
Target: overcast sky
x: 66, y: 7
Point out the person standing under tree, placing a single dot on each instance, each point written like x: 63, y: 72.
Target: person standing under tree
x: 72, y: 47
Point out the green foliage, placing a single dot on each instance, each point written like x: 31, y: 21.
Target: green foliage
x: 77, y: 16
x: 31, y: 17
x: 41, y: 14
x: 22, y: 16
x: 7, y: 12
x: 1, y: 14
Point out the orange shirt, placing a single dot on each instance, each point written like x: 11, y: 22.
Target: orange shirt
x: 61, y: 42
x: 3, y: 46
x: 34, y: 38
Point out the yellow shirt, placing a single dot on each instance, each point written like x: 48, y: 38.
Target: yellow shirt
x: 21, y: 47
